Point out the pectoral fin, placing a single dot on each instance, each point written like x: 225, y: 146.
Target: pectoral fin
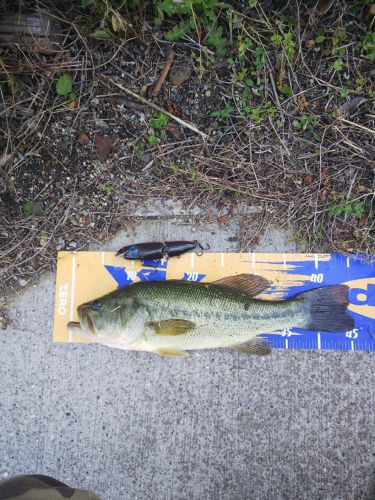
x: 170, y: 352
x: 172, y: 327
x: 259, y: 346
x: 250, y: 284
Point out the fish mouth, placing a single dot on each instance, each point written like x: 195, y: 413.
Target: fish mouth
x: 90, y: 325
x: 86, y: 321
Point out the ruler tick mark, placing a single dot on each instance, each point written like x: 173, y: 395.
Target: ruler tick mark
x: 316, y: 261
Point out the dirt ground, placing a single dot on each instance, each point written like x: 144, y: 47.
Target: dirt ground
x: 293, y: 135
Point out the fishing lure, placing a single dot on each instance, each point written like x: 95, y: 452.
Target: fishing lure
x: 157, y: 250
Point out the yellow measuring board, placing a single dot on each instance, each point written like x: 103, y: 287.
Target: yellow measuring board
x: 84, y: 276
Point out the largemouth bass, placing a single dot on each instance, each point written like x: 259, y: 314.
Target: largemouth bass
x: 172, y: 317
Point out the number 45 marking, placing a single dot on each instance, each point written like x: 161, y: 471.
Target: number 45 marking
x: 352, y: 334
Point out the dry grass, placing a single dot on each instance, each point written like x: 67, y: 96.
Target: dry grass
x: 319, y: 181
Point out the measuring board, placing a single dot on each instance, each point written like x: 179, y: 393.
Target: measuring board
x: 84, y: 276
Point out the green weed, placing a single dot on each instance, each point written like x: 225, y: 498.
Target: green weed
x: 152, y: 140
x: 158, y: 122
x: 347, y: 208
x: 286, y: 42
x: 223, y: 114
x: 340, y: 37
x: 320, y: 39
x: 305, y: 123
x: 195, y: 15
x: 368, y: 46
x: 338, y: 65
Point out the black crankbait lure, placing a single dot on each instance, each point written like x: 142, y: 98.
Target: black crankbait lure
x: 158, y: 250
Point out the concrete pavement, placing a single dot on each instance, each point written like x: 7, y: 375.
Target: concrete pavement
x: 219, y: 425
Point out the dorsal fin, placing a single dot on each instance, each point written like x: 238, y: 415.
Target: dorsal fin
x: 250, y: 284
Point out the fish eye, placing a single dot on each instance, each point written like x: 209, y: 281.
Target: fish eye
x: 96, y: 305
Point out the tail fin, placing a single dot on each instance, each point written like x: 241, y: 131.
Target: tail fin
x: 327, y: 309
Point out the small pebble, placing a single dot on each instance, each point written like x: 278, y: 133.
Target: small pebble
x: 101, y: 123
x: 60, y: 244
x: 179, y: 74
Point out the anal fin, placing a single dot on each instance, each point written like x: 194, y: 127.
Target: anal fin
x: 172, y: 353
x: 259, y: 346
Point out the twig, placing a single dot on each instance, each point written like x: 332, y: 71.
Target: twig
x: 161, y: 110
x: 119, y: 99
x: 164, y: 73
x: 353, y: 124
x: 278, y: 136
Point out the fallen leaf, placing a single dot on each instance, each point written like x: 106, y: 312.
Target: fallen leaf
x: 179, y: 74
x: 348, y: 107
x: 363, y: 189
x: 74, y: 104
x: 324, y: 6
x: 255, y: 240
x: 43, y: 240
x: 308, y: 180
x: 324, y: 179
x: 173, y: 110
x: 302, y: 102
x: 99, y: 236
x: 372, y: 10
x: 83, y: 139
x: 223, y: 219
x: 4, y: 158
x: 32, y: 208
x: 64, y: 84
x: 323, y: 195
x: 103, y: 146
x: 281, y: 78
x: 345, y: 235
x: 363, y: 222
x: 310, y: 44
x: 173, y: 131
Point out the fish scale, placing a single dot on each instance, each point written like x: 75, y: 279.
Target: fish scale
x: 220, y: 314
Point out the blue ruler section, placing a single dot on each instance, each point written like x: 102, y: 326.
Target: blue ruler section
x: 338, y: 269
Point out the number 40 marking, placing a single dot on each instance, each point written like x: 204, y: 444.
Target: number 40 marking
x: 317, y: 278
